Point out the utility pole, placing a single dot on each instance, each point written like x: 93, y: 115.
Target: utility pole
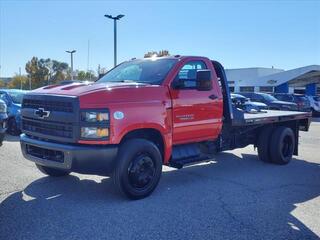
x: 20, y: 78
x: 115, y: 19
x: 71, y: 55
x: 88, y: 61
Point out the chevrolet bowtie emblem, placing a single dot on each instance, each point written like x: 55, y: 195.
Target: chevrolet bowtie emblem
x: 41, y: 113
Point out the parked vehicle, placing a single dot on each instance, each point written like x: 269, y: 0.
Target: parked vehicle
x: 245, y: 104
x: 315, y: 105
x: 302, y: 102
x: 13, y: 99
x: 270, y: 101
x: 3, y: 120
x: 143, y: 114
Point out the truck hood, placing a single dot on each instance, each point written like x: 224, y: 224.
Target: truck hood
x: 101, y: 95
x: 79, y: 89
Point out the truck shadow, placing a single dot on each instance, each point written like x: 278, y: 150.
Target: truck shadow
x: 232, y: 197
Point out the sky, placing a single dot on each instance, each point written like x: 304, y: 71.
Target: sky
x: 283, y: 34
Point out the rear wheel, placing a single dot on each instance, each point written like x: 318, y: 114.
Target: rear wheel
x: 282, y: 145
x: 263, y: 144
x: 139, y: 168
x: 53, y: 172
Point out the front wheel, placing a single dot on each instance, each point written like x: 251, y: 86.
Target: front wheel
x: 53, y: 172
x: 138, y: 169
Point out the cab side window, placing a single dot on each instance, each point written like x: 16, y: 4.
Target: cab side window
x: 188, y: 73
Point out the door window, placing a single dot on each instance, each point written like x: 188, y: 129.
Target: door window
x: 188, y: 73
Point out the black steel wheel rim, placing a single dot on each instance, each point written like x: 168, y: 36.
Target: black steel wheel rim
x: 141, y: 171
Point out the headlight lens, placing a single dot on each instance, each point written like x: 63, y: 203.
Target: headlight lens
x: 95, y: 117
x: 95, y: 124
x: 94, y: 132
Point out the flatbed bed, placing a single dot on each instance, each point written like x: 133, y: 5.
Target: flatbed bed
x: 270, y: 116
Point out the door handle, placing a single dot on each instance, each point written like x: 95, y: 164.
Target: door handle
x: 213, y: 97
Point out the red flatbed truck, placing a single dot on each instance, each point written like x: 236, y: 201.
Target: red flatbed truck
x: 144, y: 114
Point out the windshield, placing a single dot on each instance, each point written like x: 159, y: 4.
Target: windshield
x: 16, y: 96
x: 268, y: 97
x: 142, y: 71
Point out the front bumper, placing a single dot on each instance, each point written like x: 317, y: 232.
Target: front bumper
x: 99, y: 160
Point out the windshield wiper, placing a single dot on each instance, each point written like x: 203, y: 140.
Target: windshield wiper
x: 132, y: 81
x: 127, y: 81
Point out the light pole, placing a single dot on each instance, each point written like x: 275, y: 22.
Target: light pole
x: 115, y: 19
x: 71, y: 54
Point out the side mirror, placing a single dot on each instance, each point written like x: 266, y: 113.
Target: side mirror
x: 203, y: 80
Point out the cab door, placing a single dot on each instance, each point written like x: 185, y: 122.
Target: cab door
x: 196, y: 114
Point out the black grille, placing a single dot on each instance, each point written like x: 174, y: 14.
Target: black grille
x: 58, y: 106
x: 47, y: 154
x: 47, y: 128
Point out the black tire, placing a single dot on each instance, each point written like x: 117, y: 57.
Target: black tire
x: 1, y: 138
x: 13, y: 127
x: 138, y: 169
x: 282, y: 145
x: 53, y: 172
x: 263, y: 144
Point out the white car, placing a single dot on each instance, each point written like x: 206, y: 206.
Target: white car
x: 246, y: 104
x: 315, y: 104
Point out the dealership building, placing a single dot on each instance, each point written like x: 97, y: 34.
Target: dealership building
x: 305, y: 80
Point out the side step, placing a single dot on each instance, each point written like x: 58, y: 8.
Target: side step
x: 188, y: 153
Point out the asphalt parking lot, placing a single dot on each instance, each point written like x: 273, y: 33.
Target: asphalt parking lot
x: 233, y: 197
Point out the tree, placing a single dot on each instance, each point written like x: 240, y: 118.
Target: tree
x: 2, y: 84
x: 18, y: 82
x: 82, y: 75
x: 161, y: 53
x: 38, y: 72
x: 46, y: 71
x: 57, y: 71
x: 60, y: 71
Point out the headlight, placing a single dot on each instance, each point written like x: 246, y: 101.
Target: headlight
x: 95, y: 116
x: 95, y: 124
x: 94, y: 132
